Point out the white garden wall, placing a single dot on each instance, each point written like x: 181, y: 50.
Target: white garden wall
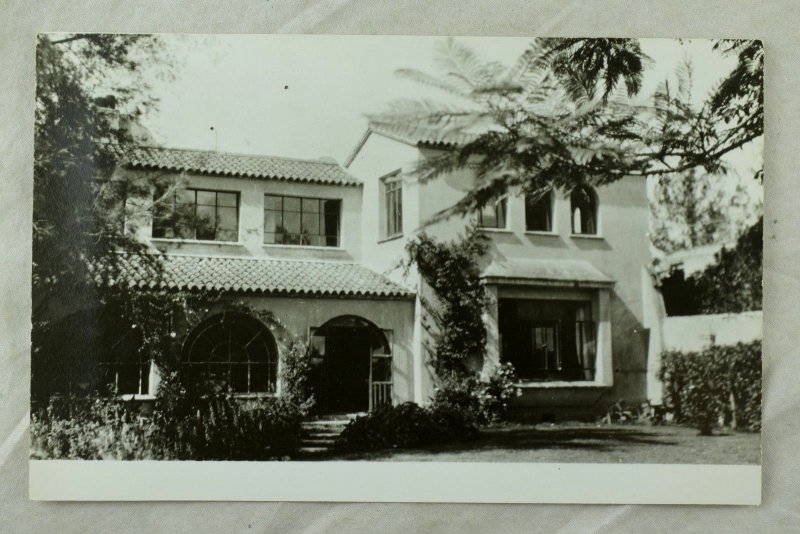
x: 695, y: 332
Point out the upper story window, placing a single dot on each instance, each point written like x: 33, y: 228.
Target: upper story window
x: 539, y: 212
x: 494, y: 214
x: 301, y: 221
x: 393, y: 205
x: 197, y: 214
x: 583, y: 202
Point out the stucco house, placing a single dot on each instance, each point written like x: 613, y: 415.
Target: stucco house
x: 317, y: 244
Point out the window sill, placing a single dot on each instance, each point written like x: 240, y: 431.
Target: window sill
x: 245, y: 396
x: 556, y: 384
x: 587, y: 236
x: 541, y: 233
x: 298, y: 247
x: 166, y: 240
x: 390, y: 238
x: 136, y: 397
x: 495, y: 230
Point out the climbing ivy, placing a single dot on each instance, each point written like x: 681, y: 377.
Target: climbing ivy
x: 450, y: 269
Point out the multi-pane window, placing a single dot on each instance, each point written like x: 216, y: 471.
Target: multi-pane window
x: 197, y: 214
x: 393, y: 205
x: 539, y: 212
x: 232, y: 352
x: 301, y: 221
x: 125, y: 366
x: 583, y: 202
x: 493, y: 214
x: 548, y: 339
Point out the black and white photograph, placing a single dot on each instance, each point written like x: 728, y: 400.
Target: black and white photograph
x: 350, y: 249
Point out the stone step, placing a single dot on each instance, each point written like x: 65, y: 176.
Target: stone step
x: 327, y: 443
x: 324, y: 424
x: 314, y: 427
x: 319, y: 434
x: 314, y: 450
x: 338, y: 416
x: 324, y: 434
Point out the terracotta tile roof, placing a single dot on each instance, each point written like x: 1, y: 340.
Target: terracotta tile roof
x: 228, y: 164
x: 263, y: 276
x: 572, y: 273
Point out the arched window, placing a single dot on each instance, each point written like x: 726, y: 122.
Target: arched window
x: 493, y: 214
x: 584, y: 210
x: 233, y: 352
x: 539, y: 212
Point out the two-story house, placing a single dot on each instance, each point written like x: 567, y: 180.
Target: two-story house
x: 317, y: 245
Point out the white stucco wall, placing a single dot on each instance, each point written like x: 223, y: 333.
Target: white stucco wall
x: 696, y: 332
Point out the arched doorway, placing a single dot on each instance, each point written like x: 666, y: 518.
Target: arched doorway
x: 352, y: 361
x: 232, y: 352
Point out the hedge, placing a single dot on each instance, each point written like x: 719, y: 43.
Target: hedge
x: 404, y: 426
x: 718, y: 384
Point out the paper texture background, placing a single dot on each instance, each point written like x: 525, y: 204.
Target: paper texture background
x: 774, y: 22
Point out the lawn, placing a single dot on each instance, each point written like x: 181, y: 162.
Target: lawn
x: 587, y: 443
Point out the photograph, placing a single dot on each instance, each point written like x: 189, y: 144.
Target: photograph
x: 363, y: 249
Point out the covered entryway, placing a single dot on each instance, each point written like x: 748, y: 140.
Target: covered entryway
x: 352, y: 361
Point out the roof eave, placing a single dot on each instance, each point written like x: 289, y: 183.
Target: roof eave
x: 547, y: 282
x: 139, y: 166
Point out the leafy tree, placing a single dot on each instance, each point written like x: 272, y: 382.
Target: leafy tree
x: 694, y: 209
x: 77, y: 209
x: 558, y: 117
x: 732, y: 284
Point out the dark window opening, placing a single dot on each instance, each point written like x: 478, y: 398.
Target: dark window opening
x: 548, y: 339
x: 393, y: 199
x: 539, y: 212
x: 89, y: 351
x: 583, y: 202
x: 493, y: 214
x: 301, y: 221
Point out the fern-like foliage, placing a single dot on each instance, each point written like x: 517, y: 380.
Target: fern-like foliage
x: 562, y: 115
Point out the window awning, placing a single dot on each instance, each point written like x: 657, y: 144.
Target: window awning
x: 541, y: 272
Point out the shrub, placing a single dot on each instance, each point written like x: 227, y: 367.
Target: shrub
x: 87, y: 428
x: 719, y: 383
x: 200, y: 425
x: 483, y: 401
x: 403, y: 426
x: 296, y: 376
x: 185, y: 424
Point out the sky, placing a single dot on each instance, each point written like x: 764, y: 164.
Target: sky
x: 306, y: 96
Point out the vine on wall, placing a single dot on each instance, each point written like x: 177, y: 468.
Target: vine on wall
x: 450, y: 269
